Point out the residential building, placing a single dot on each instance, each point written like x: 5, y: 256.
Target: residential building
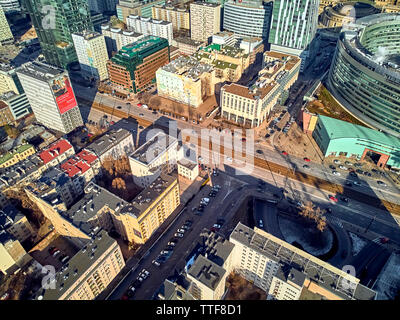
x: 16, y: 155
x: 116, y: 38
x: 224, y: 38
x: 3, y: 200
x: 286, y: 284
x: 293, y: 28
x: 186, y: 80
x: 17, y: 103
x: 15, y: 223
x: 179, y: 17
x: 51, y: 96
x: 176, y: 288
x: 157, y: 154
x: 136, y: 7
x: 6, y: 116
x: 9, y: 80
x: 114, y: 143
x: 259, y: 257
x: 336, y: 137
x: 230, y: 63
x: 186, y: 45
x: 88, y: 272
x: 248, y: 18
x: 56, y: 153
x: 92, y: 54
x: 150, y: 27
x: 6, y: 36
x: 10, y: 5
x: 55, y: 34
x: 134, y: 67
x: 83, y: 166
x: 12, y: 255
x: 188, y: 169
x: 250, y: 106
x: 205, y: 20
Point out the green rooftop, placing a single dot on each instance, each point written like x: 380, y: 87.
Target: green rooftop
x: 11, y: 154
x: 338, y: 129
x: 224, y: 65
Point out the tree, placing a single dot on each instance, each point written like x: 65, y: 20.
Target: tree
x: 310, y: 211
x: 119, y: 184
x: 155, y: 103
x: 180, y: 109
x: 11, y: 131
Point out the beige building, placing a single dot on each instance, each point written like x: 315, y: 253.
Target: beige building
x: 6, y: 35
x: 186, y: 80
x: 20, y: 153
x: 179, y: 17
x: 158, y: 153
x: 186, y: 45
x: 116, y: 38
x: 268, y: 262
x: 8, y: 79
x: 12, y: 255
x: 250, y: 106
x: 205, y: 20
x: 15, y: 223
x: 188, y: 169
x: 92, y: 54
x: 88, y: 272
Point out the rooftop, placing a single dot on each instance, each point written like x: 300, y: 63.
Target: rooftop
x: 79, y: 264
x: 289, y: 274
x: 207, y: 272
x: 8, y: 216
x: 338, y: 129
x: 187, y: 66
x: 147, y: 19
x: 40, y: 71
x: 87, y: 34
x: 54, y: 150
x: 188, y: 164
x: 324, y: 274
x: 20, y: 170
x: 78, y: 163
x: 258, y: 93
x: 140, y: 47
x: 206, y: 4
x: 17, y: 150
x: 108, y: 140
x: 153, y: 148
x: 189, y: 41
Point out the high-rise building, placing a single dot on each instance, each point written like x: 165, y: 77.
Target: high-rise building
x: 92, y: 53
x: 134, y: 66
x: 6, y: 35
x: 102, y: 6
x: 293, y: 27
x: 10, y: 5
x: 51, y: 96
x: 54, y: 22
x: 17, y: 103
x: 136, y: 7
x: 205, y: 20
x: 179, y: 17
x: 116, y: 38
x: 150, y: 27
x: 250, y: 18
x: 9, y: 80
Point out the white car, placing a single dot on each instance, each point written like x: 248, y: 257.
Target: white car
x: 357, y: 183
x: 336, y: 161
x: 56, y: 253
x: 200, y: 158
x: 181, y: 230
x: 140, y: 279
x: 155, y: 262
x: 229, y: 159
x: 145, y: 106
x: 172, y: 244
x: 336, y: 173
x: 342, y: 167
x: 179, y: 235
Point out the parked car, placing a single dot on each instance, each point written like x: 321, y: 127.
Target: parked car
x: 344, y: 199
x: 349, y: 183
x: 181, y: 230
x: 333, y: 198
x: 381, y: 183
x: 307, y: 159
x: 336, y: 161
x: 342, y: 167
x: 172, y: 244
x: 332, y: 167
x: 57, y: 252
x: 336, y: 173
x: 357, y: 183
x: 179, y: 235
x: 306, y: 166
x: 284, y: 153
x: 155, y: 262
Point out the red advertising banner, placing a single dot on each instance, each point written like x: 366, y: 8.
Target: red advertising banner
x: 64, y: 95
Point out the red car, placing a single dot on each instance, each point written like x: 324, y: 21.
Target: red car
x: 243, y: 139
x: 333, y: 198
x: 307, y: 160
x: 139, y: 104
x: 384, y: 240
x: 284, y: 153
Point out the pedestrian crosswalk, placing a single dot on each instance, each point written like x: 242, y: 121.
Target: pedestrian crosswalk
x: 376, y: 240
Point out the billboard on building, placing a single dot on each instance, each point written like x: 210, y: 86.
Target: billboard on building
x: 63, y: 93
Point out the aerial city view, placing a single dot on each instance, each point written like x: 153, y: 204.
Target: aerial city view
x: 220, y: 150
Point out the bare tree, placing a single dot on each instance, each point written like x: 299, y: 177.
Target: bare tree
x: 310, y: 211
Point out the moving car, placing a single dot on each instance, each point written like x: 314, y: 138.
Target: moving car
x: 307, y: 159
x: 284, y: 153
x: 336, y: 173
x: 381, y: 183
x: 333, y: 198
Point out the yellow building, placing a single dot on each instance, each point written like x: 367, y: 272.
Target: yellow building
x: 205, y: 20
x: 8, y: 79
x: 88, y: 272
x: 179, y: 17
x: 16, y: 155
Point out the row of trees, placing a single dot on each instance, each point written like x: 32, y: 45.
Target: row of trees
x: 310, y: 211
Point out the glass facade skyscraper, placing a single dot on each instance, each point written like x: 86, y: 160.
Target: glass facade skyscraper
x: 54, y: 22
x: 249, y: 18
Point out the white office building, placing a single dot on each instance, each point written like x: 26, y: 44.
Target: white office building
x: 51, y: 96
x: 91, y: 50
x: 150, y: 27
x: 116, y: 38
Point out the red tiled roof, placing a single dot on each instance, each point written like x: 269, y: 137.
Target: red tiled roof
x: 80, y: 163
x: 88, y: 156
x: 57, y: 148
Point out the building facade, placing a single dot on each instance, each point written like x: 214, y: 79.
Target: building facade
x: 6, y: 35
x: 205, y: 20
x: 16, y: 155
x: 364, y: 76
x: 6, y: 116
x: 142, y: 8
x: 92, y: 54
x: 12, y: 255
x: 249, y: 18
x: 179, y: 17
x: 54, y: 34
x: 135, y: 65
x: 9, y: 80
x: 116, y: 38
x: 15, y: 223
x: 17, y: 103
x: 150, y: 27
x: 51, y: 96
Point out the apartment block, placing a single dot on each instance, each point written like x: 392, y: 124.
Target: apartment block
x: 114, y: 143
x: 6, y: 35
x: 157, y: 154
x: 135, y: 7
x: 116, y: 38
x: 250, y: 106
x: 51, y: 96
x: 17, y: 103
x: 205, y: 20
x: 92, y: 54
x: 267, y: 261
x: 12, y: 255
x: 230, y: 63
x: 188, y: 169
x: 15, y: 223
x: 186, y: 45
x: 88, y: 272
x: 179, y: 17
x: 9, y: 80
x: 16, y: 155
x: 186, y: 80
x: 56, y: 153
x: 150, y: 27
x: 6, y: 116
x: 3, y: 200
x: 134, y: 66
